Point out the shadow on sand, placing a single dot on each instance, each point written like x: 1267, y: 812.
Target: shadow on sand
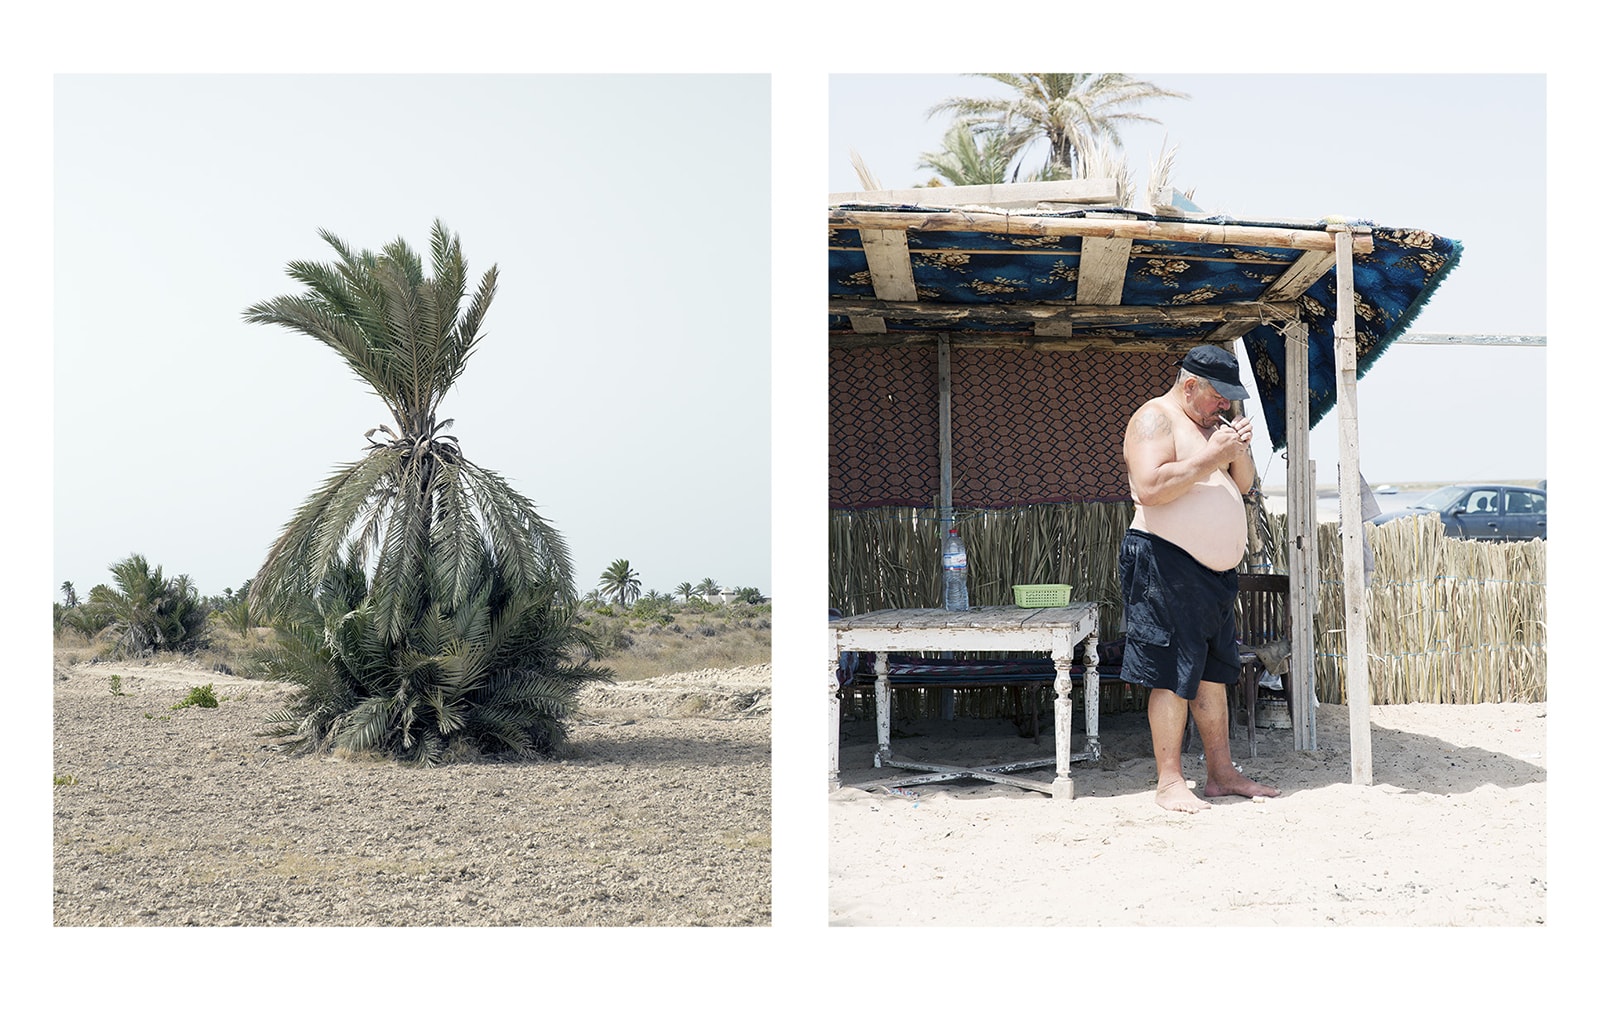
x: 1408, y: 761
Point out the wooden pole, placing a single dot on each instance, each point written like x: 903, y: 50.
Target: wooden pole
x: 947, y: 515
x: 1256, y: 558
x: 1301, y: 551
x: 1350, y: 538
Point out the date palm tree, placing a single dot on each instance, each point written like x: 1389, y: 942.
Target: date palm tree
x: 1069, y: 111
x: 972, y: 156
x: 685, y: 590
x: 427, y: 608
x: 146, y: 611
x: 620, y: 582
x: 413, y: 496
x: 708, y: 587
x: 498, y: 673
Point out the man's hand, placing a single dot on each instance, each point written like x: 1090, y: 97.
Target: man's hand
x: 1240, y: 431
x: 1233, y: 442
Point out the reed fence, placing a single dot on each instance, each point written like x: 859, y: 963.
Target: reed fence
x: 1449, y: 621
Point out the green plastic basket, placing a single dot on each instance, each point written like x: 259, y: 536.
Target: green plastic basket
x: 1052, y: 594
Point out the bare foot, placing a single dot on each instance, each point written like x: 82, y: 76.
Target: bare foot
x: 1232, y: 784
x: 1176, y: 796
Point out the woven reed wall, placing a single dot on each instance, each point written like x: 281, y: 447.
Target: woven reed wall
x: 1449, y: 621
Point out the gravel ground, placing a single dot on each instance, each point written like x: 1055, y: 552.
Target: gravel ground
x: 657, y: 812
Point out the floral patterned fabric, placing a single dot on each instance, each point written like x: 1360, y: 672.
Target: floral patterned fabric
x: 1032, y: 424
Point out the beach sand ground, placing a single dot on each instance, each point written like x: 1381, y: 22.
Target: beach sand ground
x: 1452, y: 830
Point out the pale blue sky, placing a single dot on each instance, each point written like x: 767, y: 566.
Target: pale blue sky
x: 623, y: 383
x: 1459, y: 155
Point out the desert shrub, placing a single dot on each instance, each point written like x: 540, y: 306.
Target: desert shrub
x: 199, y: 696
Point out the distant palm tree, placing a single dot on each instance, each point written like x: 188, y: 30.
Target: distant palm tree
x: 70, y: 592
x: 620, y: 582
x: 1069, y: 111
x: 685, y: 590
x: 972, y: 156
x: 708, y: 588
x: 146, y: 611
x: 414, y: 496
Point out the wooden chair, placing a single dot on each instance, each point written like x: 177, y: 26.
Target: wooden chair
x: 1264, y: 623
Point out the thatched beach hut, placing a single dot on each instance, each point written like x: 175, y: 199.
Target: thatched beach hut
x: 987, y: 346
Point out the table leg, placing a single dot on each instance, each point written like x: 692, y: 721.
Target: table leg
x: 880, y: 692
x: 1091, y: 695
x: 833, y: 721
x: 1061, y: 788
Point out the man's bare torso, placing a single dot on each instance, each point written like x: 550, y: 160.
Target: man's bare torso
x: 1208, y: 519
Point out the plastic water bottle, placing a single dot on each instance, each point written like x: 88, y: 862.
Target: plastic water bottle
x: 955, y: 573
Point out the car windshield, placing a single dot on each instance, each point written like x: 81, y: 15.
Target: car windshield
x: 1441, y: 499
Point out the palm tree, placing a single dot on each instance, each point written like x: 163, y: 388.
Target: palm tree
x: 70, y: 592
x: 146, y: 611
x: 498, y: 673
x: 708, y: 587
x: 972, y: 156
x: 620, y: 582
x: 413, y: 497
x: 685, y: 590
x: 1069, y: 111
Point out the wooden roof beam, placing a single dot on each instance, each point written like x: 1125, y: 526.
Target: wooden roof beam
x: 1077, y: 314
x: 1020, y: 224
x: 1008, y: 194
x: 1302, y: 275
x: 1102, y: 268
x: 889, y: 261
x: 980, y: 340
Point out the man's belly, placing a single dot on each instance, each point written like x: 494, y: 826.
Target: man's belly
x: 1207, y: 521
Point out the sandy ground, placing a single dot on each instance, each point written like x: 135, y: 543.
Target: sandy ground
x: 1452, y: 831
x: 657, y: 813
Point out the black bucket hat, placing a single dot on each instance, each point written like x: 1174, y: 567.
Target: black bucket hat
x: 1218, y: 367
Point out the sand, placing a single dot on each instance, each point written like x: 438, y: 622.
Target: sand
x: 1451, y: 832
x: 657, y: 813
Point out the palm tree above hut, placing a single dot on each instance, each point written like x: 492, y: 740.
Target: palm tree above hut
x: 972, y: 156
x: 1071, y: 112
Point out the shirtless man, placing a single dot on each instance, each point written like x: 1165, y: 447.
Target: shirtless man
x: 1188, y: 468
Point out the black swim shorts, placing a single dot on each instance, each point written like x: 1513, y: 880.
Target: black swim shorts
x: 1178, y: 616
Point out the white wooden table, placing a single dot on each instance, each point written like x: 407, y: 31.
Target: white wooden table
x: 1054, y: 629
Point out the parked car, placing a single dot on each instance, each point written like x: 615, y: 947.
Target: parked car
x: 1481, y: 511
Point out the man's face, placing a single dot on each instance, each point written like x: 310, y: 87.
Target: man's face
x: 1205, y: 405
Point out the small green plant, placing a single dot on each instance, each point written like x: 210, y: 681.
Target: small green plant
x: 200, y: 696
x: 116, y: 686
x: 66, y: 780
